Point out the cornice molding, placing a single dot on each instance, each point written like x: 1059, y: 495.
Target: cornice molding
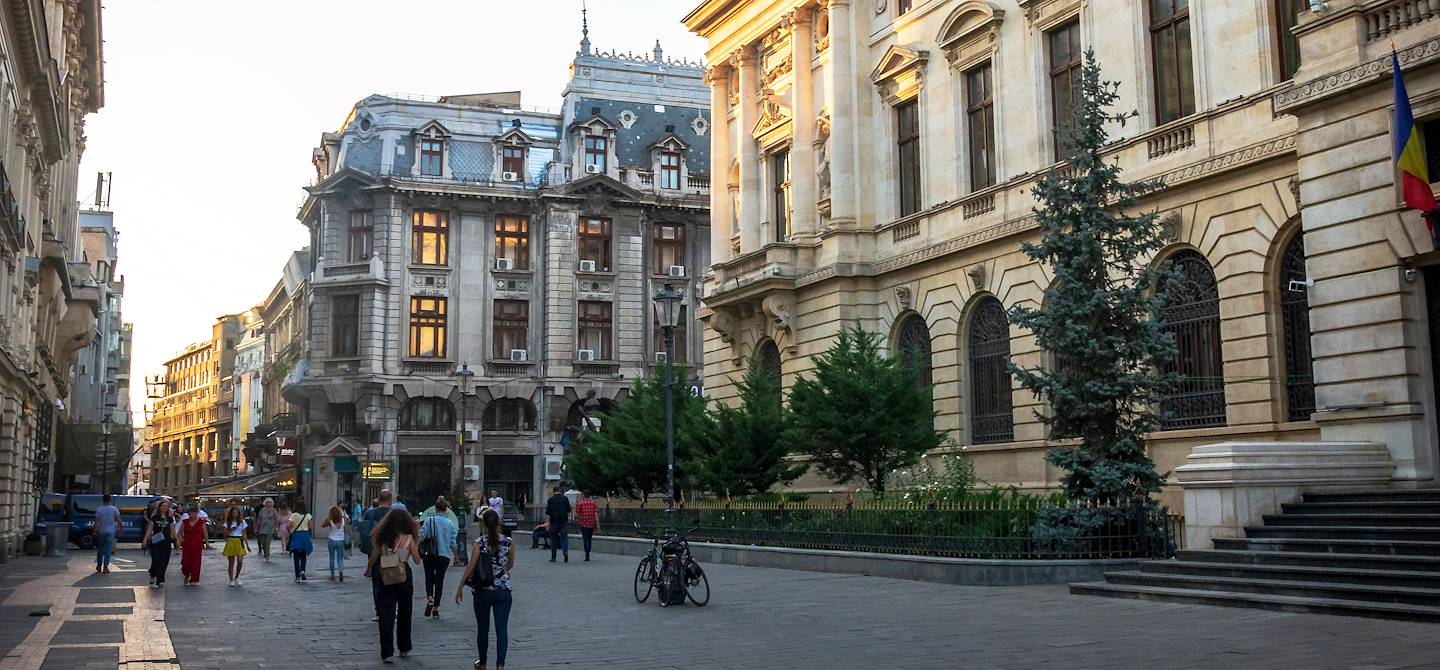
x: 1299, y: 95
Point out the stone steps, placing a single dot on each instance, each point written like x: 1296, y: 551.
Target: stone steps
x: 1267, y: 602
x: 1354, y: 520
x: 1318, y: 559
x: 1297, y: 573
x: 1397, y: 506
x: 1330, y: 545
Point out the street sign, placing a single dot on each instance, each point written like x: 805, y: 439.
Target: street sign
x: 696, y: 388
x: 308, y: 468
x: 377, y: 471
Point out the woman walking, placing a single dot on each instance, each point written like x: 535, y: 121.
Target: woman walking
x: 335, y: 526
x: 491, y: 583
x: 193, y: 534
x: 159, y: 538
x: 266, y: 521
x: 437, y: 551
x: 299, y: 545
x: 394, y: 543
x: 235, y: 526
x: 282, y: 526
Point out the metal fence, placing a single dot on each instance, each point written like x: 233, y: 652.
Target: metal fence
x: 1012, y: 529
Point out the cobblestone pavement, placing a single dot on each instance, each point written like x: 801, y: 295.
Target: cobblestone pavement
x: 581, y: 615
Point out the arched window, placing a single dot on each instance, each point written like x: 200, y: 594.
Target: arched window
x: 770, y: 359
x: 991, y: 418
x: 509, y: 414
x: 427, y: 414
x: 1192, y: 316
x: 575, y: 418
x: 912, y: 345
x: 1295, y: 329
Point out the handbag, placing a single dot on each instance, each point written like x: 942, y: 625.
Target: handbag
x: 392, y: 566
x: 429, y: 547
x: 290, y: 541
x: 483, y: 576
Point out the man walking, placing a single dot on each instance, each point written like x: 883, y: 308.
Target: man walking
x: 557, y: 514
x: 265, y: 521
x: 587, y: 514
x: 107, y: 522
x: 383, y: 503
x: 496, y: 502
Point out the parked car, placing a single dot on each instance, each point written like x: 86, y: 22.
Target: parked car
x: 79, y: 510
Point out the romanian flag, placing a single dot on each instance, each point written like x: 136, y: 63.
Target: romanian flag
x: 1409, y: 154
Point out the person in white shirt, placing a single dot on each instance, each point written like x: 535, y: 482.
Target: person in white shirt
x: 496, y: 502
x: 334, y: 525
x: 235, y: 528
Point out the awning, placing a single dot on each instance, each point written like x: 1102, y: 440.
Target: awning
x: 264, y: 484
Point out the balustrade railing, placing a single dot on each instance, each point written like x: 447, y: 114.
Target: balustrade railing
x: 905, y: 231
x: 1399, y: 15
x: 1178, y: 139
x: 978, y: 205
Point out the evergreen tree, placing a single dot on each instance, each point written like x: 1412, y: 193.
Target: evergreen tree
x: 748, y: 453
x: 627, y: 455
x: 863, y: 414
x: 1099, y: 316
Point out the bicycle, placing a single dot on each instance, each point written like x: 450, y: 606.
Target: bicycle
x: 677, y: 571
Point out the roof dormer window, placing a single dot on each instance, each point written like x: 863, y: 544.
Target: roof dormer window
x: 596, y: 149
x: 432, y: 157
x: 512, y: 159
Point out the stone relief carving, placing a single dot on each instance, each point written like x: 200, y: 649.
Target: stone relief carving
x: 822, y: 156
x: 1170, y: 227
x: 822, y: 29
x: 880, y: 6
x: 723, y: 322
x: 903, y: 298
x: 780, y: 310
x: 977, y: 276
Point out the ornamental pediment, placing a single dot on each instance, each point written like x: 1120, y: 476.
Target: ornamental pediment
x: 670, y: 142
x: 898, y: 73
x: 969, y: 34
x: 433, y: 129
x: 515, y: 137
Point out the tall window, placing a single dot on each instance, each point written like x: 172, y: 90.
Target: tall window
x: 992, y: 418
x: 509, y: 414
x: 907, y: 134
x: 780, y: 183
x: 669, y: 247
x: 1170, y: 53
x: 912, y: 345
x: 902, y: 6
x: 512, y: 240
x: 429, y: 237
x: 427, y: 327
x: 512, y: 159
x: 980, y: 113
x: 1286, y: 13
x: 770, y: 360
x: 681, y: 336
x: 427, y: 414
x: 1192, y: 316
x: 358, y: 237
x: 596, y: 147
x: 595, y: 327
x: 1295, y: 329
x: 670, y: 170
x: 1065, y: 62
x: 345, y: 325
x: 432, y: 157
x: 595, y: 243
x: 512, y: 323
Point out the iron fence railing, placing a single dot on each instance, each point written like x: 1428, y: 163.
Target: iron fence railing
x: 1013, y: 529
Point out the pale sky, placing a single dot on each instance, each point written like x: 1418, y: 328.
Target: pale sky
x: 213, y: 106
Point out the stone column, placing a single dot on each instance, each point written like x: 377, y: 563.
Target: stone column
x: 747, y: 114
x: 843, y: 124
x: 718, y: 77
x: 802, y: 150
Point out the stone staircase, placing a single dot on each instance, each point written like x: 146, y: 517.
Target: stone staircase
x: 1373, y: 554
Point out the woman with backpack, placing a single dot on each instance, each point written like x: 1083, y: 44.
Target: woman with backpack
x: 299, y: 544
x: 491, y: 583
x: 437, y: 551
x: 394, y: 542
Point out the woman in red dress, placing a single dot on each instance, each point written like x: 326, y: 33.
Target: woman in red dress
x: 193, y: 534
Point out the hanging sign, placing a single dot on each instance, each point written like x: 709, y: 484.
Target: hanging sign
x: 377, y: 471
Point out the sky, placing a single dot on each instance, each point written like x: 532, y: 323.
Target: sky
x: 212, y: 108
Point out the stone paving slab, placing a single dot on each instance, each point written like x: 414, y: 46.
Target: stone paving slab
x: 82, y: 658
x: 582, y: 615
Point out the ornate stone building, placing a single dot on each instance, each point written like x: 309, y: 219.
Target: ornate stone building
x: 482, y: 266
x: 50, y: 79
x: 190, y: 428
x: 875, y: 161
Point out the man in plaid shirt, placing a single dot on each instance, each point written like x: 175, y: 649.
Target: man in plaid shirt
x: 587, y: 513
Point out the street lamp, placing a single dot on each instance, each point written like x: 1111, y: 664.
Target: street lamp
x: 667, y: 313
x: 105, y: 455
x: 462, y: 379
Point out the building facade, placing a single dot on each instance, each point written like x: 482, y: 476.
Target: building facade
x: 51, y: 78
x: 192, y: 414
x: 876, y: 164
x: 482, y: 267
x: 247, y: 388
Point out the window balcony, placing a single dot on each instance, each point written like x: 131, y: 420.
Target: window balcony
x: 329, y: 273
x: 774, y: 266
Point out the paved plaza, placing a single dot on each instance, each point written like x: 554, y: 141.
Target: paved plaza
x: 581, y: 615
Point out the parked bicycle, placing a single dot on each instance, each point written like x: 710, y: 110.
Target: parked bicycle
x: 670, y: 569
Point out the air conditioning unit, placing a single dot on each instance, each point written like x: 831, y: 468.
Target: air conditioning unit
x: 677, y: 270
x: 472, y: 473
x: 660, y: 356
x: 585, y: 355
x: 509, y: 176
x: 519, y: 355
x: 504, y: 264
x: 587, y: 266
x: 592, y: 169
x: 472, y: 435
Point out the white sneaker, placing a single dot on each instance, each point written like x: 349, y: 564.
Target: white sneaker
x: 237, y: 582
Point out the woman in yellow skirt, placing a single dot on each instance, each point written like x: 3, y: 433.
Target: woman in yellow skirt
x: 235, y: 527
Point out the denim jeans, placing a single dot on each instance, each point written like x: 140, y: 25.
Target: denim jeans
x: 500, y: 601
x: 104, y: 549
x: 559, y: 539
x: 337, y: 557
x: 585, y: 535
x: 299, y: 558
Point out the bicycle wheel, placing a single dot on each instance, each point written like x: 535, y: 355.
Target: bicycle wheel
x: 644, y: 579
x: 671, y: 581
x: 697, y: 585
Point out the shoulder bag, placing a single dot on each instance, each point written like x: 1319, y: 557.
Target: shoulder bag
x: 483, y: 576
x: 392, y: 566
x: 430, y: 546
x: 290, y: 542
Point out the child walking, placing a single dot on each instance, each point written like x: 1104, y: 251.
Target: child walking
x: 235, y: 526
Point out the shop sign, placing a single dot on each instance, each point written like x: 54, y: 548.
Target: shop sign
x: 378, y: 471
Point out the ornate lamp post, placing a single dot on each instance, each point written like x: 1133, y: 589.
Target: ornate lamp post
x: 463, y: 376
x: 105, y: 455
x: 667, y: 313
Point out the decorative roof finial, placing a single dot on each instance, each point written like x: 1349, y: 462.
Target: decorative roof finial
x: 659, y: 53
x: 584, y: 29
